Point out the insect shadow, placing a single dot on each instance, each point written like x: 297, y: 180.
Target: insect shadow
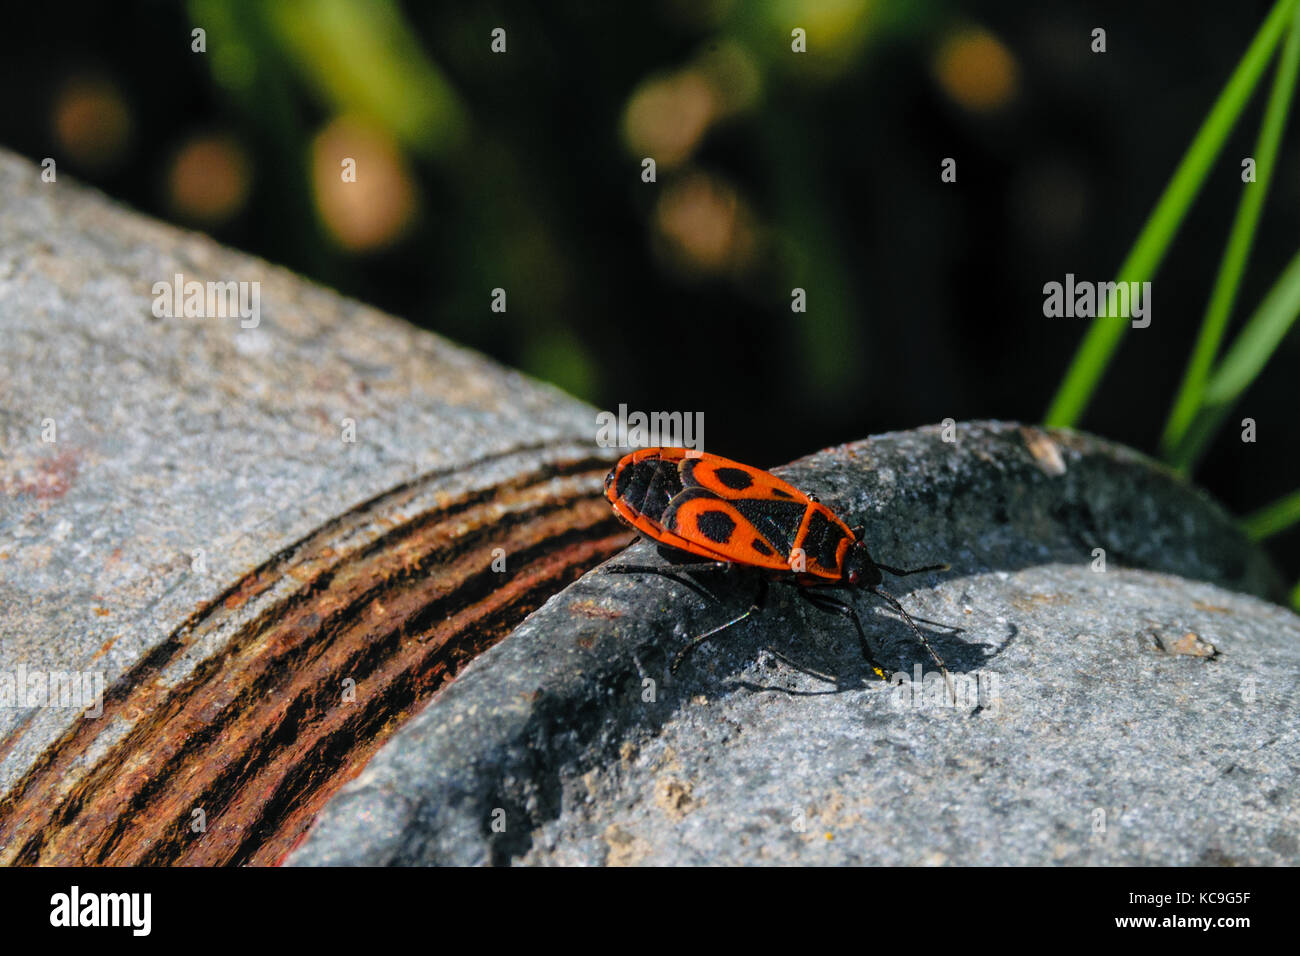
x: 683, y: 568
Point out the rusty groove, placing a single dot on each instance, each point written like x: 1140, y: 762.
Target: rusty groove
x: 174, y: 737
x: 202, y: 726
x: 292, y: 808
x: 249, y: 727
x: 250, y: 644
x: 134, y: 806
x: 136, y: 683
x: 299, y: 553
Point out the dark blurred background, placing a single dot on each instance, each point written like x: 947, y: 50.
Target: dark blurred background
x: 775, y: 170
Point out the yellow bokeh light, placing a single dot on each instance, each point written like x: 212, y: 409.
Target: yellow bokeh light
x: 976, y: 70
x: 364, y: 191
x: 667, y: 116
x: 836, y: 33
x: 703, y: 227
x: 209, y: 179
x: 92, y: 123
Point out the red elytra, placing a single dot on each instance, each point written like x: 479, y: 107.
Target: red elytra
x: 728, y: 513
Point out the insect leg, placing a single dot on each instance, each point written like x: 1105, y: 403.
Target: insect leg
x: 900, y: 572
x: 893, y: 601
x: 824, y: 602
x: 759, y: 601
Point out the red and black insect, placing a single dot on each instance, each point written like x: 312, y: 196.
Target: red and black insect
x: 732, y: 514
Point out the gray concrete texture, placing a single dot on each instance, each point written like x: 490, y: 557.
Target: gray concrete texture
x: 148, y: 462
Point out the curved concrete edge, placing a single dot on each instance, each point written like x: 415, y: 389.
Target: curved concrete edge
x: 540, y: 737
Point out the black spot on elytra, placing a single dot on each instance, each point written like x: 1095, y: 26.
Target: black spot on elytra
x: 717, y: 526
x: 781, y: 494
x: 759, y: 545
x: 734, y: 478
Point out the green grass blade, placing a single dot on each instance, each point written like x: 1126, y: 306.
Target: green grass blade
x: 1260, y: 338
x: 1153, y: 242
x: 1295, y: 597
x: 1247, y: 357
x: 1240, y: 241
x: 1274, y: 518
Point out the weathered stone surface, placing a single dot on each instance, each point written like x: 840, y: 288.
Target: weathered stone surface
x: 1140, y: 714
x: 202, y: 536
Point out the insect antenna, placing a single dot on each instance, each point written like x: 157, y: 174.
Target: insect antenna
x: 897, y: 606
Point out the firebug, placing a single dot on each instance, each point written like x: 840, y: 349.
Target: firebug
x: 729, y: 514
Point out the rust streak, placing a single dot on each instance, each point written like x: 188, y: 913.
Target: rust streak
x: 260, y: 735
